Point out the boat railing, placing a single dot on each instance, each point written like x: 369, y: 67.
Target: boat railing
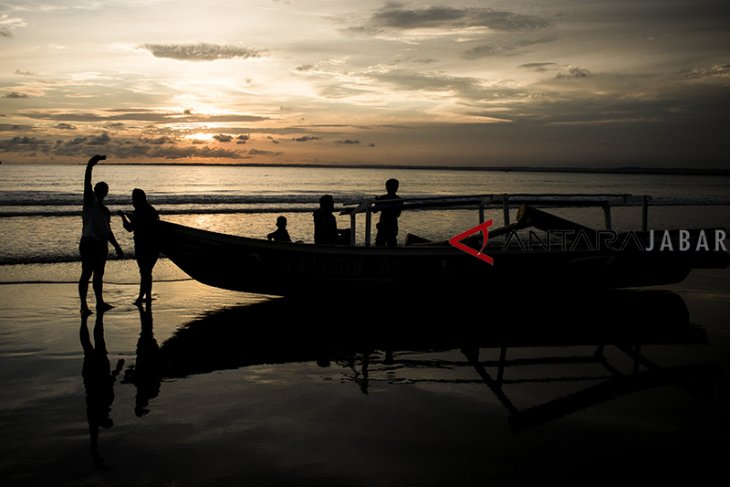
x: 505, y: 201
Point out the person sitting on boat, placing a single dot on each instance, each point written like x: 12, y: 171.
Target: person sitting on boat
x: 387, y: 226
x: 325, y: 224
x: 280, y: 234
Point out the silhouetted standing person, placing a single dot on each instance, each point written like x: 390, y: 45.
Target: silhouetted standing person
x: 325, y: 224
x: 99, y: 382
x: 280, y: 234
x: 389, y: 212
x: 95, y: 237
x: 143, y: 222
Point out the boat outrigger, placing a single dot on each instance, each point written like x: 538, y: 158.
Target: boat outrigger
x: 583, y: 258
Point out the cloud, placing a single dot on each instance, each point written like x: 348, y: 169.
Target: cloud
x: 24, y: 144
x: 717, y: 71
x: 140, y: 116
x: 402, y: 79
x: 8, y: 24
x: 539, y: 67
x: 223, y: 138
x: 6, y: 127
x: 305, y: 138
x: 200, y: 51
x: 159, y: 140
x: 102, y: 139
x: 573, y: 73
x: 65, y: 126
x: 489, y: 50
x: 24, y: 73
x: 16, y: 95
x: 347, y: 142
x: 395, y: 17
x: 242, y: 139
x: 258, y: 152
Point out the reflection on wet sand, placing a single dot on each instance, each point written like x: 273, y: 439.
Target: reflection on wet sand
x: 146, y: 373
x: 99, y: 382
x: 407, y: 347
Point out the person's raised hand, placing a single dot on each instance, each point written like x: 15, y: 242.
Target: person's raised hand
x: 95, y: 159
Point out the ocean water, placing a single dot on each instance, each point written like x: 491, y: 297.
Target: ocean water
x: 40, y: 205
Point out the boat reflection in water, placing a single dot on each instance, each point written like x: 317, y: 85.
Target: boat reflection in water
x: 597, y: 348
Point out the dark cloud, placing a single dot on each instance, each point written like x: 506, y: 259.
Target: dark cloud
x: 6, y: 127
x: 102, y: 139
x: 242, y: 139
x: 509, y: 49
x: 200, y: 51
x: 573, y: 72
x: 396, y: 17
x: 273, y: 140
x: 159, y: 140
x: 416, y: 81
x: 305, y: 67
x: 65, y: 126
x: 539, y: 67
x: 223, y: 138
x: 24, y: 144
x: 24, y: 73
x: 15, y: 94
x: 347, y: 142
x: 258, y: 152
x: 305, y: 138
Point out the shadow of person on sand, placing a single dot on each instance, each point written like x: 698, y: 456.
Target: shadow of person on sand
x: 99, y: 381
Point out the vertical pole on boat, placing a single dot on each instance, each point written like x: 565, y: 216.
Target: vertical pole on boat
x: 502, y: 360
x: 481, y: 211
x: 353, y: 226
x: 505, y: 208
x: 368, y: 223
x: 645, y: 213
x: 607, y: 215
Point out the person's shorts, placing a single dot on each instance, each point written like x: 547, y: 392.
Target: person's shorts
x: 93, y: 250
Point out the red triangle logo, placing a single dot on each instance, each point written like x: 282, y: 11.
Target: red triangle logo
x: 456, y: 241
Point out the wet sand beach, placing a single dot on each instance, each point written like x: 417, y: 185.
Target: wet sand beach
x: 222, y: 388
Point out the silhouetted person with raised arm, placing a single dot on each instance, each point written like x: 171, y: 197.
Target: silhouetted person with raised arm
x: 99, y: 382
x: 387, y: 226
x: 280, y: 234
x: 325, y: 224
x: 146, y: 373
x: 143, y: 222
x: 95, y: 237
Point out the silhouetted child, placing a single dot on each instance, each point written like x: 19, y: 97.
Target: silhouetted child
x: 280, y: 234
x: 325, y: 224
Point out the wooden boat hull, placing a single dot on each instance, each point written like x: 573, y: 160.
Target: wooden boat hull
x: 283, y: 269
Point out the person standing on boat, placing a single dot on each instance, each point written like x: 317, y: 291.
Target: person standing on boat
x: 96, y: 235
x: 325, y: 224
x: 387, y: 226
x: 280, y: 234
x: 143, y: 222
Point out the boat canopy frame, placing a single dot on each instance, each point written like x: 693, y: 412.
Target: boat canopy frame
x: 504, y: 200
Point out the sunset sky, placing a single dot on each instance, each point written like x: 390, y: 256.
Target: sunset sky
x: 496, y: 83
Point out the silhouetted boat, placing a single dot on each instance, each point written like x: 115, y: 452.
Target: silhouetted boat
x: 282, y: 268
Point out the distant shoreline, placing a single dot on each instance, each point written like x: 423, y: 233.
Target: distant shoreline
x: 529, y: 169
x: 602, y: 170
